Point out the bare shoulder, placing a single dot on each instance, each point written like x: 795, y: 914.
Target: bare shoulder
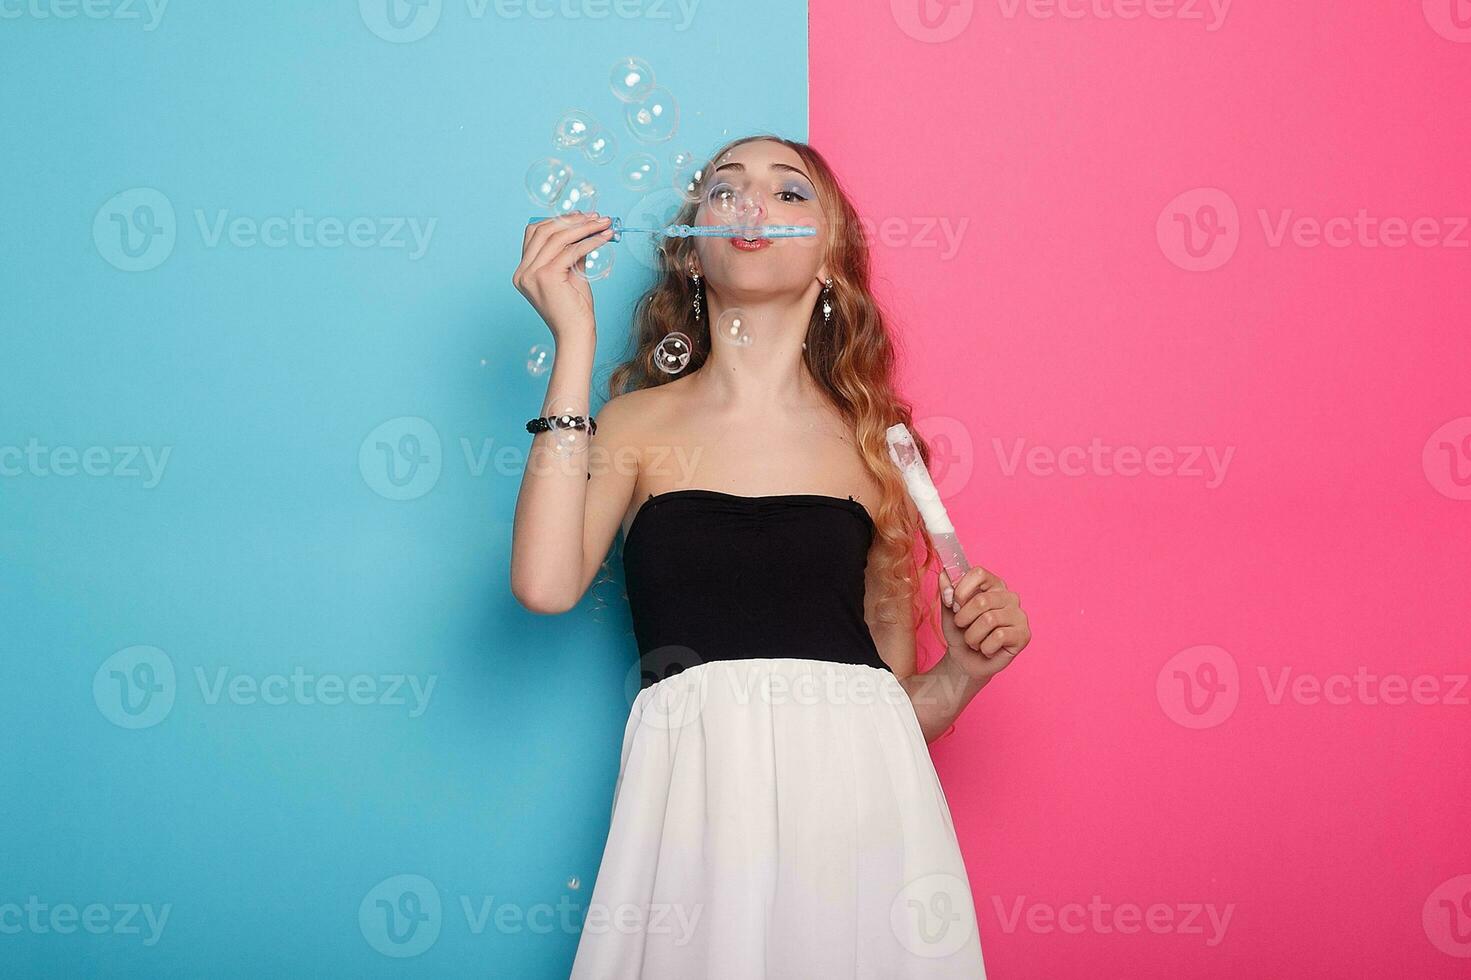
x: 628, y: 417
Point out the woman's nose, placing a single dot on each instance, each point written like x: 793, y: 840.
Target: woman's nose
x: 754, y: 206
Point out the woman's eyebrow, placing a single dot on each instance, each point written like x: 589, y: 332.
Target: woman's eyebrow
x: 774, y: 166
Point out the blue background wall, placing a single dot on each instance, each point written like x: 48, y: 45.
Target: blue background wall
x: 268, y: 537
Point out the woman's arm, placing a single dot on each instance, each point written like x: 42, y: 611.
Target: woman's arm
x: 570, y: 501
x: 939, y: 694
x: 570, y: 506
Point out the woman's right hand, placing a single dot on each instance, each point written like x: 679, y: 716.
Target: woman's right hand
x: 550, y: 252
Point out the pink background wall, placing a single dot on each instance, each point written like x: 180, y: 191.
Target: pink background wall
x: 1143, y: 750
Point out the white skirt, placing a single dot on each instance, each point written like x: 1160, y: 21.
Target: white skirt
x: 776, y: 819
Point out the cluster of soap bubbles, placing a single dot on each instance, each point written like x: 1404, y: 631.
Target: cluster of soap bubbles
x: 578, y: 129
x: 672, y: 353
x: 552, y: 184
x: 651, y: 114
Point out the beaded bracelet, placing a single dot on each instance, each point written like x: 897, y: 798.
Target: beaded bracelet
x: 544, y: 423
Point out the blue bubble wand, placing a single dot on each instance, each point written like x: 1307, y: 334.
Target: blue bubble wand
x: 702, y: 231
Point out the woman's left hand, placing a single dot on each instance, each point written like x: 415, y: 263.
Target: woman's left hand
x: 986, y: 628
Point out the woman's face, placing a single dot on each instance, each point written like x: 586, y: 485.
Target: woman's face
x: 773, y: 180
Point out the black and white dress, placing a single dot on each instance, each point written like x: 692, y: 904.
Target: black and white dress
x: 776, y: 813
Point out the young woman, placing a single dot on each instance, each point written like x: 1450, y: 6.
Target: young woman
x: 776, y: 812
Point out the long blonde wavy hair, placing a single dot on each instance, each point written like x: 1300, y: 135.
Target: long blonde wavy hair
x: 852, y: 359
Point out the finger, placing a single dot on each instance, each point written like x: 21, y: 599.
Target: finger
x: 536, y: 235
x: 545, y: 231
x: 979, y: 633
x: 551, y: 249
x: 578, y: 251
x: 981, y: 603
x: 999, y: 642
x: 977, y: 579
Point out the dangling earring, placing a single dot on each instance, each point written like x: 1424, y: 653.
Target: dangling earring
x: 695, y: 278
x: 827, y: 303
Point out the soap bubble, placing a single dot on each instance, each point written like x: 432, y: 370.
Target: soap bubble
x: 631, y: 79
x: 578, y: 196
x: 639, y: 172
x: 673, y: 352
x: 726, y: 203
x: 687, y: 175
x: 567, y: 438
x: 539, y: 360
x: 654, y: 210
x: 750, y: 211
x: 733, y: 327
x: 574, y: 128
x: 545, y: 180
x: 596, y: 264
x: 600, y: 147
x: 654, y: 118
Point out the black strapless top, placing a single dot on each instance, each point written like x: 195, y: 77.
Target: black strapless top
x: 718, y: 576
